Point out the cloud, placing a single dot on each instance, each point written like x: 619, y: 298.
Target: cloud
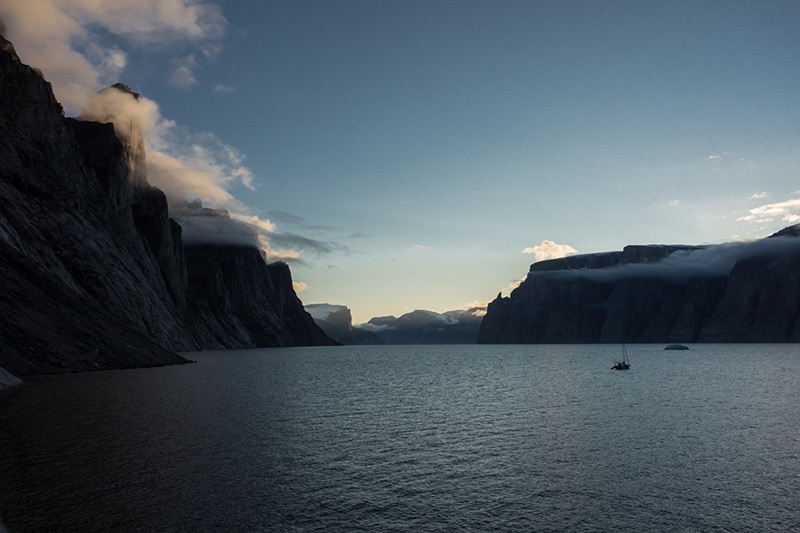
x: 68, y: 40
x: 674, y: 203
x: 215, y: 230
x: 681, y: 266
x: 294, y: 220
x: 282, y: 242
x: 477, y: 308
x: 549, y: 250
x: 78, y: 44
x: 713, y: 157
x: 418, y: 247
x: 223, y: 88
x: 758, y: 196
x: 262, y: 225
x: 299, y: 286
x: 183, y: 76
x: 787, y: 211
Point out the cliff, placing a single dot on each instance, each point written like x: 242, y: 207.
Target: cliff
x: 93, y: 271
x: 337, y: 323
x: 236, y: 299
x: 744, y: 292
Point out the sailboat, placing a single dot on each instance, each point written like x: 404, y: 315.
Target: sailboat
x: 624, y: 364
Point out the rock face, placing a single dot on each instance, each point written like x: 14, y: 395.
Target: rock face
x: 727, y: 293
x: 428, y: 327
x: 236, y: 299
x: 93, y: 272
x: 337, y: 323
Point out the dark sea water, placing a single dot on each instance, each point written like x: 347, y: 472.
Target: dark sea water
x: 412, y: 438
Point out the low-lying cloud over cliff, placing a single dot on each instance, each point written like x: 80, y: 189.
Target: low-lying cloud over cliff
x: 682, y: 265
x: 80, y: 47
x: 737, y: 292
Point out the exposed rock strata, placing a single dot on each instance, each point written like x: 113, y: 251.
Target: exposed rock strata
x: 729, y: 293
x: 93, y: 272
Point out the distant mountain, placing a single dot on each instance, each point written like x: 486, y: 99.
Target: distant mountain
x: 428, y: 327
x: 417, y: 327
x: 739, y: 292
x: 337, y: 323
x: 94, y: 271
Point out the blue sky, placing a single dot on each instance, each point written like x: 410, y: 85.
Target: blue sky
x: 403, y: 155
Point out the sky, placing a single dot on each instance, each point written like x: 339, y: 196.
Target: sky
x: 404, y: 155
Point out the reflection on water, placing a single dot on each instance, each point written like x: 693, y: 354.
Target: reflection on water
x: 412, y: 438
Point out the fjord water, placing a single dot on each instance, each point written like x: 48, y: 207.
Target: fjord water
x: 412, y: 438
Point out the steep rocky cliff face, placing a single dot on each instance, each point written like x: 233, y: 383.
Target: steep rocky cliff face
x: 236, y: 299
x: 730, y: 293
x: 93, y: 272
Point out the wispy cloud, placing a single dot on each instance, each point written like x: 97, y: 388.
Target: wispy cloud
x: 758, y: 196
x: 295, y: 220
x: 223, y: 88
x: 674, y: 203
x: 293, y: 241
x: 418, y: 247
x: 183, y: 76
x: 549, y: 250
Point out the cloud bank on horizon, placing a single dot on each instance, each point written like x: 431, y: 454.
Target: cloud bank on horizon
x: 67, y: 41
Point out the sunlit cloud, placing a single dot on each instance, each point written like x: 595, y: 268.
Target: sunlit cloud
x: 788, y: 211
x: 758, y: 195
x: 262, y: 225
x: 549, y: 250
x: 478, y: 306
x: 68, y: 39
x: 299, y: 286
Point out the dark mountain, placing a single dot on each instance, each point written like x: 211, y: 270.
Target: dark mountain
x: 746, y: 292
x: 93, y: 271
x: 428, y: 327
x: 337, y: 323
